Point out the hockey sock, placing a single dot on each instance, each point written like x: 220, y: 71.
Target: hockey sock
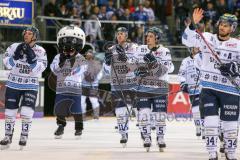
x: 160, y: 126
x: 202, y: 128
x: 211, y: 133
x: 10, y: 115
x: 153, y: 119
x: 144, y: 122
x: 230, y: 135
x: 26, y: 115
x: 122, y: 119
x: 196, y: 117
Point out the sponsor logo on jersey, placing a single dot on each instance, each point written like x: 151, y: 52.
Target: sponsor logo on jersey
x: 231, y: 45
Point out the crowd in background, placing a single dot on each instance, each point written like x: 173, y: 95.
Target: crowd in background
x: 147, y: 11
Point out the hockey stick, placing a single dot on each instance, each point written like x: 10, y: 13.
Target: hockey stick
x: 121, y: 91
x: 195, y: 88
x: 219, y: 61
x: 140, y: 82
x: 135, y: 102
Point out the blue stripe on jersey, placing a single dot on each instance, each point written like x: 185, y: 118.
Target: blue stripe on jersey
x: 11, y: 62
x: 185, y: 36
x: 33, y: 65
x: 192, y: 92
x: 221, y: 87
x: 106, y: 70
x: 22, y: 86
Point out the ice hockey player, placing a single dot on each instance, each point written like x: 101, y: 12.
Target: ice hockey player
x: 151, y: 54
x: 90, y: 84
x: 216, y: 81
x: 189, y: 76
x: 116, y: 57
x: 69, y: 67
x: 26, y: 62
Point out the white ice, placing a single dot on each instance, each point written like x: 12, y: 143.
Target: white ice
x: 100, y: 141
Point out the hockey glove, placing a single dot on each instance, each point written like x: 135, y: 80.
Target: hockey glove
x: 88, y: 77
x: 231, y: 69
x: 141, y: 71
x: 31, y: 56
x: 121, y: 53
x: 18, y: 54
x: 108, y: 57
x: 62, y: 60
x: 150, y: 60
x: 184, y: 87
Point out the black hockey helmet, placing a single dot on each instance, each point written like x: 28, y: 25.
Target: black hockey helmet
x: 156, y: 31
x: 34, y: 30
x: 122, y: 29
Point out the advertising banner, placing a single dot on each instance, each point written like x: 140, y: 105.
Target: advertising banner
x: 16, y: 12
x: 178, y: 102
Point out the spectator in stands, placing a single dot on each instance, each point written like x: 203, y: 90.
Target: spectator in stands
x: 75, y: 4
x: 103, y: 13
x: 93, y: 30
x: 63, y: 11
x: 73, y: 13
x: 230, y: 5
x: 110, y: 6
x: 237, y: 5
x: 86, y: 9
x: 110, y: 28
x: 51, y: 9
x: 147, y: 8
x: 205, y: 2
x: 237, y: 13
x: 95, y: 10
x: 210, y: 12
x: 209, y: 26
x: 126, y: 17
x: 181, y: 13
x: 120, y: 10
x: 139, y: 34
x: 102, y: 2
x: 221, y: 7
x: 140, y: 14
x: 160, y: 10
x: 130, y: 5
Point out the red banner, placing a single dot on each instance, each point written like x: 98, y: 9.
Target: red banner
x: 178, y: 102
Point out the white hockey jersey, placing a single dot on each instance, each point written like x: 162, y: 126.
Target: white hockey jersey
x: 188, y: 74
x: 162, y: 54
x: 227, y: 51
x: 24, y: 76
x: 163, y: 57
x: 69, y: 79
x: 130, y: 50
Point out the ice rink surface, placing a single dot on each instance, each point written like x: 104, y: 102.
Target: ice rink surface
x: 100, y: 141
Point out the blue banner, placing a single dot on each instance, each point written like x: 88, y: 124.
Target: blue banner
x: 16, y: 12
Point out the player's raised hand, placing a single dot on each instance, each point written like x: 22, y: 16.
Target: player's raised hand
x: 197, y: 15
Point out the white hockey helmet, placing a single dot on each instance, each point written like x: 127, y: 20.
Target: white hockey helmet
x: 71, y: 37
